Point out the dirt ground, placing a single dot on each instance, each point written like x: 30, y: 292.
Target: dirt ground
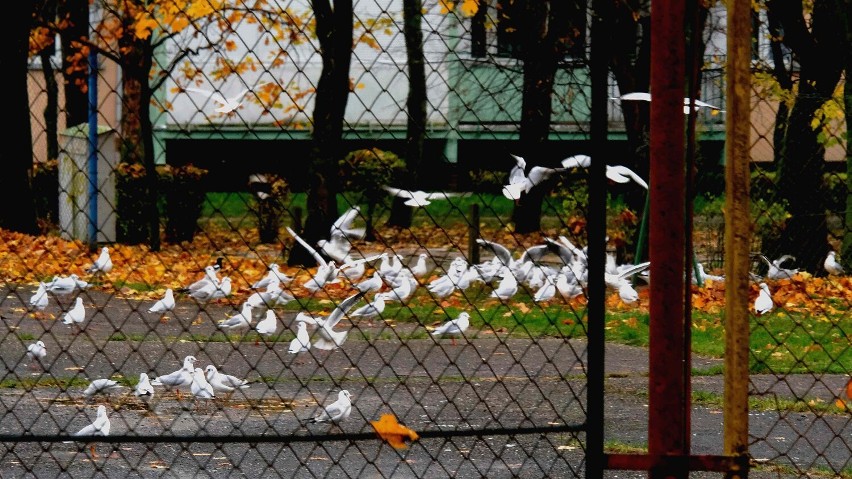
x: 486, y: 383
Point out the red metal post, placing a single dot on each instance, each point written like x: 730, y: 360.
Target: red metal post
x: 669, y: 406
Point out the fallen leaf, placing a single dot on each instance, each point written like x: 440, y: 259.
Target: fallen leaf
x: 390, y: 430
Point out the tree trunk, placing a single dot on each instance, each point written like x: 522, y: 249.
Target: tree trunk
x: 51, y: 107
x: 539, y: 53
x: 334, y: 31
x: 802, y: 164
x: 846, y: 247
x: 18, y: 212
x: 412, y: 11
x: 76, y: 13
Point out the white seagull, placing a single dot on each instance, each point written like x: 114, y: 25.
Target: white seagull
x: 326, y: 270
x: 63, y: 286
x: 222, y: 382
x: 103, y: 264
x: 644, y: 96
x: 144, y: 390
x: 241, y: 320
x: 342, y: 227
x: 273, y: 275
x: 329, y: 338
x: 419, y: 198
x: 336, y: 411
x: 454, y: 327
x: 419, y: 270
x: 37, y: 351
x: 225, y: 105
x: 75, y: 315
x: 39, y: 299
x: 99, y: 427
x: 102, y: 386
x: 507, y: 287
x: 302, y: 342
x: 763, y: 304
x: 831, y: 265
x: 200, y: 387
x: 522, y: 182
x: 210, y: 276
x: 371, y: 285
x: 268, y: 325
x: 164, y: 305
x: 370, y: 310
x: 181, y: 377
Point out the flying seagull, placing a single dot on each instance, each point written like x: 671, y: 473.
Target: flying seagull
x: 421, y: 198
x: 643, y: 96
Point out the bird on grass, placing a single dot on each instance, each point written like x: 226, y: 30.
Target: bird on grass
x: 763, y: 304
x: 454, y: 327
x: 335, y: 412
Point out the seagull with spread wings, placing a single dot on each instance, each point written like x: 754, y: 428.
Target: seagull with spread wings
x: 644, y: 96
x: 419, y: 198
x: 329, y: 338
x: 521, y: 181
x: 224, y: 104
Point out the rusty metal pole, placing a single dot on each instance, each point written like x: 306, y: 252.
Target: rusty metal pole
x: 669, y: 406
x: 737, y: 230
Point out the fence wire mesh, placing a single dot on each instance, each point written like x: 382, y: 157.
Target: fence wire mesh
x: 239, y: 155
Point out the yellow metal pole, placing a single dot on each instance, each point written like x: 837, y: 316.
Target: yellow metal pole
x: 737, y: 230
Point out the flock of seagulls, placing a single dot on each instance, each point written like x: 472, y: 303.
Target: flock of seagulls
x: 553, y: 270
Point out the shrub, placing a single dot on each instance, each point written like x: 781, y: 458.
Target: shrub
x: 131, y: 203
x: 366, y: 171
x: 184, y: 194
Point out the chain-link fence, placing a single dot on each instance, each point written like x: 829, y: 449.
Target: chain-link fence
x: 345, y: 228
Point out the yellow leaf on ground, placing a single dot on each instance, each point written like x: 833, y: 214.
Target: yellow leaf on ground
x: 390, y: 430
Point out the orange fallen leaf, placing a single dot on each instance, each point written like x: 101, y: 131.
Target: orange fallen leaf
x: 390, y: 430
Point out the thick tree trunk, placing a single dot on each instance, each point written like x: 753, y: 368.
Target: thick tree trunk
x: 18, y: 211
x: 412, y: 11
x: 76, y: 14
x: 539, y: 53
x: 51, y: 107
x: 334, y: 31
x: 802, y: 164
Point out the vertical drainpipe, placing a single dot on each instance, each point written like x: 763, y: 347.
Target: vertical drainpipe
x: 93, y: 149
x: 669, y: 406
x: 598, y: 129
x: 737, y: 230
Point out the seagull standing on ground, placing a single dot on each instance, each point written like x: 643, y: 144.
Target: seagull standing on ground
x: 273, y: 275
x: 99, y: 427
x: 144, y: 390
x: 103, y: 264
x: 37, y: 352
x: 181, y: 377
x: 454, y: 327
x: 335, y: 412
x: 164, y: 305
x: 302, y: 342
x: 102, y: 386
x: 75, y: 315
x: 39, y: 299
x: 268, y: 325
